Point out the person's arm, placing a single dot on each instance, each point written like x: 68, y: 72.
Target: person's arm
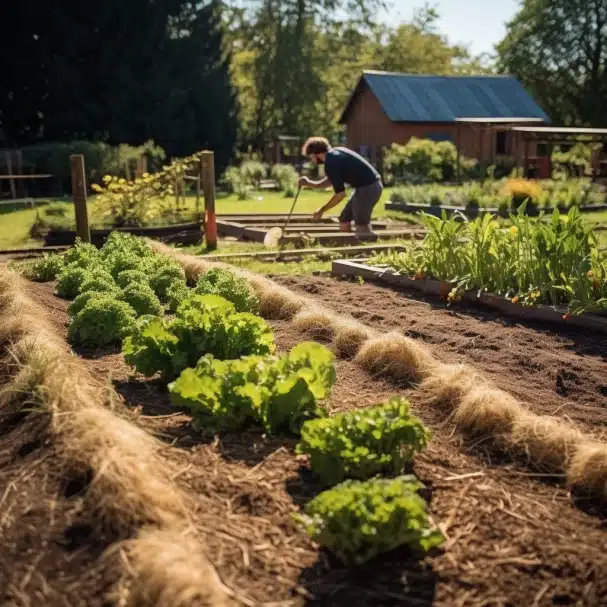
x: 333, y: 202
x: 323, y: 184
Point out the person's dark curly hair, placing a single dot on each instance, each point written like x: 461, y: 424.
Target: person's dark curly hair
x: 315, y: 145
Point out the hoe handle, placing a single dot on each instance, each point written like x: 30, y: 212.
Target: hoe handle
x: 291, y: 211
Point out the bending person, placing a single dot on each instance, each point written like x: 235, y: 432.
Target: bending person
x: 344, y: 166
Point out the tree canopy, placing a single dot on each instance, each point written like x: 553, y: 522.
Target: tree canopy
x: 558, y: 49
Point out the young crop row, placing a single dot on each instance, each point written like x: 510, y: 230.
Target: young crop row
x: 216, y: 355
x: 533, y: 261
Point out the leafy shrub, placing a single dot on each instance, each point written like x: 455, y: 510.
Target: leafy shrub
x: 253, y: 172
x: 104, y: 320
x: 47, y: 268
x: 361, y: 444
x: 229, y: 286
x: 176, y: 293
x: 142, y: 299
x: 286, y: 176
x: 521, y: 190
x: 424, y: 160
x: 358, y: 520
x: 70, y: 280
x: 131, y: 277
x: 82, y: 254
x: 280, y: 393
x: 205, y: 324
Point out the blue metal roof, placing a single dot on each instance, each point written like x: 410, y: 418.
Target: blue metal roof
x: 420, y: 98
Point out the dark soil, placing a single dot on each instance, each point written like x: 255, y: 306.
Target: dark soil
x: 513, y: 538
x: 49, y: 549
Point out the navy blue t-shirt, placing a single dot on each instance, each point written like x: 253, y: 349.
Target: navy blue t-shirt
x: 346, y: 166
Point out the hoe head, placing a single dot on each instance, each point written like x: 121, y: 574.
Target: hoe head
x: 273, y: 238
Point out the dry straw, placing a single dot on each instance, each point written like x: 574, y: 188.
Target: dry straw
x: 130, y: 487
x: 168, y: 571
x: 397, y: 356
x: 477, y: 406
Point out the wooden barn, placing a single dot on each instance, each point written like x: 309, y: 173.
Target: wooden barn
x: 474, y: 112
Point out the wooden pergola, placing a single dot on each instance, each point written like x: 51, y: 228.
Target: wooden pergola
x: 488, y: 125
x: 557, y: 136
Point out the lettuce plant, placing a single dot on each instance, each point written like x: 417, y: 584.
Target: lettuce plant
x: 176, y: 293
x: 129, y: 277
x: 104, y: 320
x: 358, y: 520
x: 204, y: 324
x: 47, y: 268
x: 70, y: 280
x: 280, y: 393
x: 233, y: 288
x: 152, y: 347
x: 142, y: 299
x: 363, y: 443
x: 82, y: 254
x: 99, y: 282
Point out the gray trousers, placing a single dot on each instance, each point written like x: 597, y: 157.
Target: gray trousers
x: 360, y: 204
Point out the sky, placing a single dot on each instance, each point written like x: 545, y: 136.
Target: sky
x: 479, y: 24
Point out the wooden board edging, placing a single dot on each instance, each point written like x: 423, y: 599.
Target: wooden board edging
x: 542, y: 313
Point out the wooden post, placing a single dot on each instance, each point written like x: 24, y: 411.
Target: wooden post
x: 79, y: 197
x: 207, y: 169
x: 198, y: 183
x: 141, y: 167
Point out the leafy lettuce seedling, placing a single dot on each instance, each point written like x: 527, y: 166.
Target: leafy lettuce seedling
x: 47, y: 268
x: 204, y: 324
x: 142, y: 299
x: 70, y: 280
x: 363, y: 443
x: 279, y: 393
x: 233, y: 288
x: 358, y: 520
x: 83, y: 255
x: 102, y: 321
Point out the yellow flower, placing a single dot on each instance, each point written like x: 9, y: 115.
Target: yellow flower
x: 107, y: 178
x: 121, y: 181
x: 513, y: 230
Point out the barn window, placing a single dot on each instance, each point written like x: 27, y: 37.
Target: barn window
x: 501, y: 143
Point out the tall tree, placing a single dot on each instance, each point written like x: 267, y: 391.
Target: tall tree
x: 558, y: 49
x: 125, y: 72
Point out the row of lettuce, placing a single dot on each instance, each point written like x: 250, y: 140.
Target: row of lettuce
x: 217, y: 357
x: 554, y: 260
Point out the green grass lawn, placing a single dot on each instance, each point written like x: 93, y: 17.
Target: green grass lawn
x: 15, y: 225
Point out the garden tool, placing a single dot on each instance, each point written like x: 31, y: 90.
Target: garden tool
x: 275, y: 235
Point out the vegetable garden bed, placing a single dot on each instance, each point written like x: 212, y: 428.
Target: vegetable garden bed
x: 541, y: 313
x: 510, y: 537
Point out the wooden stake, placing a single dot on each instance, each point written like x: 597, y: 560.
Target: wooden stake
x: 207, y: 169
x: 79, y: 197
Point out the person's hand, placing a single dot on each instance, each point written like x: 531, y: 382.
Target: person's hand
x: 317, y: 216
x: 303, y: 182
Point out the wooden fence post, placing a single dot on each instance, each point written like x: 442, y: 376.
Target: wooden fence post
x: 79, y: 197
x: 207, y: 169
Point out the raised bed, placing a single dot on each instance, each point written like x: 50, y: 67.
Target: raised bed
x: 543, y: 313
x: 187, y: 233
x: 406, y: 207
